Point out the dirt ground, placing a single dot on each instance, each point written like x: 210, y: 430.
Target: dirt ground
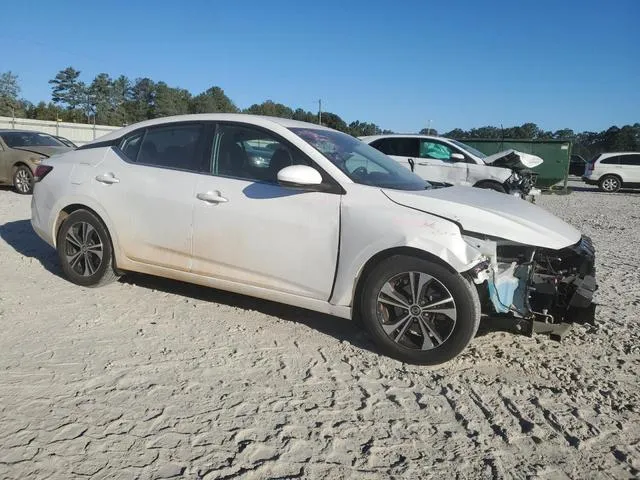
x: 148, y: 378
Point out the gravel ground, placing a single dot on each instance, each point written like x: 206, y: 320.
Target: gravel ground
x: 148, y: 378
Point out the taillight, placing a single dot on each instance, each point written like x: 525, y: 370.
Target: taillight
x: 41, y: 172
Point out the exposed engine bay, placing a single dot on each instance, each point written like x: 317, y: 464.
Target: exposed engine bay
x: 521, y: 184
x: 531, y: 284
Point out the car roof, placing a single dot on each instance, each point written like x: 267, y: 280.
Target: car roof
x: 11, y: 130
x: 370, y: 138
x: 259, y: 120
x: 612, y: 154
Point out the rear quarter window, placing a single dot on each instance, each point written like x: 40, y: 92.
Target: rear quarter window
x: 630, y: 159
x: 130, y: 146
x: 609, y: 161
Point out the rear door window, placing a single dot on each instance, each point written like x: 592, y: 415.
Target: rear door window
x: 398, y: 146
x: 179, y: 146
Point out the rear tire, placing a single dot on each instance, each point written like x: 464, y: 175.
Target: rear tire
x: 85, y: 250
x: 23, y: 180
x: 610, y: 183
x: 488, y: 185
x: 418, y: 311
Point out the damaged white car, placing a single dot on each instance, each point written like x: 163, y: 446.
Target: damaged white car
x: 323, y: 222
x: 444, y: 161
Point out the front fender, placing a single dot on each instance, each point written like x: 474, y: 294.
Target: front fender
x: 478, y: 173
x: 367, y: 232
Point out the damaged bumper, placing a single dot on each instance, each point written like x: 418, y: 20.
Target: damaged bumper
x: 563, y: 284
x: 542, y: 290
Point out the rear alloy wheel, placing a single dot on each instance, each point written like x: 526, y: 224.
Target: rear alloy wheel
x: 419, y: 312
x: 23, y: 180
x: 85, y: 251
x: 610, y: 183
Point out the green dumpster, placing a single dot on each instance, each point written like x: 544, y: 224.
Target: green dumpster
x: 555, y: 153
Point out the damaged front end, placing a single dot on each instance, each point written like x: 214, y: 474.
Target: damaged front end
x: 537, y: 289
x: 522, y: 184
x: 523, y: 179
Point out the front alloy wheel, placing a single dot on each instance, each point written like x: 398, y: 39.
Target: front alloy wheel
x: 419, y: 311
x: 416, y: 310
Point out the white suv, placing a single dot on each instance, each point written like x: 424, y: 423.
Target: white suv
x: 612, y: 171
x: 445, y: 161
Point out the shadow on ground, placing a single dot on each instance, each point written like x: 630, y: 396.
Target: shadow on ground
x: 339, y: 328
x: 20, y: 236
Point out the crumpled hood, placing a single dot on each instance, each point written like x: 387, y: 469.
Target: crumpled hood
x: 42, y: 150
x: 513, y: 159
x: 491, y: 213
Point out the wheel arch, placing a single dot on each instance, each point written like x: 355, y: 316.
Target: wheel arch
x: 383, y: 255
x: 19, y: 164
x: 74, y: 207
x: 617, y: 175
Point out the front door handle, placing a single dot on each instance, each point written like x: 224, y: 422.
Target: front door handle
x: 107, y: 178
x: 211, y: 197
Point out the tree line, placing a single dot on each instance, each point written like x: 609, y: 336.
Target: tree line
x: 121, y: 101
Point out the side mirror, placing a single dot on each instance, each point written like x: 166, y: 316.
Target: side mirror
x: 457, y: 157
x: 299, y: 176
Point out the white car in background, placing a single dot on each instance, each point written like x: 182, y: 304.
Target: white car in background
x: 445, y: 161
x: 612, y: 171
x: 321, y: 221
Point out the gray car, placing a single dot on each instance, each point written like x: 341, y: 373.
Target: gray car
x: 21, y: 151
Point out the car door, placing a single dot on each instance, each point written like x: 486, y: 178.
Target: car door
x: 450, y: 169
x: 251, y: 230
x: 405, y: 150
x: 147, y: 185
x: 630, y: 168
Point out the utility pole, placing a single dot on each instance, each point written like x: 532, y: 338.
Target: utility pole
x: 320, y: 112
x: 429, y: 130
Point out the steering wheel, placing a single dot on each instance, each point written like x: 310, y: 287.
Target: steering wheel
x: 360, y: 172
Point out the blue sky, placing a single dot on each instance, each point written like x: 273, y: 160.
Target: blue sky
x: 399, y: 64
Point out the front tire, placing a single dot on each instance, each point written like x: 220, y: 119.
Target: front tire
x: 23, y: 180
x: 610, y: 184
x: 85, y: 250
x: 418, y: 311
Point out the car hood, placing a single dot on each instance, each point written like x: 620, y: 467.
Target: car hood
x: 513, y: 159
x: 42, y: 150
x: 491, y: 213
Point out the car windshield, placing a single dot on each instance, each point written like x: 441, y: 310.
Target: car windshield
x: 360, y: 162
x: 66, y: 141
x: 468, y: 148
x: 29, y: 139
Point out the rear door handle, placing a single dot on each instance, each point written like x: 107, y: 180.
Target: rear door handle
x: 107, y: 178
x: 211, y: 197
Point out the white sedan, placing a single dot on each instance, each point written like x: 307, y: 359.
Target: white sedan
x: 304, y: 215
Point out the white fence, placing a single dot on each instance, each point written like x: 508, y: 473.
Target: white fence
x: 78, y: 133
